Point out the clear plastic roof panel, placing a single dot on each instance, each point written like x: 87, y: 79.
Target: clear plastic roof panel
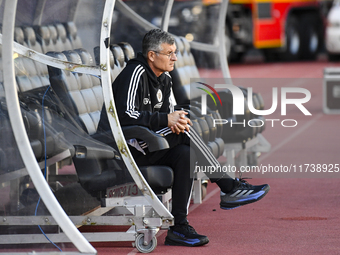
x: 60, y: 111
x: 58, y: 90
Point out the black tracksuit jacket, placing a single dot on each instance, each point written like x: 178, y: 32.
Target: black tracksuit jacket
x: 141, y: 97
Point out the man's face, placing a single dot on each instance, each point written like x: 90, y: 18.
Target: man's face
x: 164, y: 60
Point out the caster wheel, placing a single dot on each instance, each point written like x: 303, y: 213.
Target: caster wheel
x: 141, y: 247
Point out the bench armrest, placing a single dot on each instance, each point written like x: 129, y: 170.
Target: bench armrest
x: 154, y: 141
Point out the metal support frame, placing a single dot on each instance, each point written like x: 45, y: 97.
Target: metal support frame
x: 166, y: 15
x: 197, y: 189
x: 47, y: 60
x: 135, y: 212
x: 21, y: 138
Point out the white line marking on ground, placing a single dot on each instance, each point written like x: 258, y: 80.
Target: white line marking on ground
x: 291, y: 137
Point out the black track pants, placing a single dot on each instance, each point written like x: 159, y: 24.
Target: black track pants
x: 186, y: 150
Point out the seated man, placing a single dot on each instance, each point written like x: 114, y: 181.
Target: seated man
x: 142, y: 96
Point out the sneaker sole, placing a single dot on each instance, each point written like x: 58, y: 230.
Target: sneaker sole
x: 229, y: 206
x: 182, y: 243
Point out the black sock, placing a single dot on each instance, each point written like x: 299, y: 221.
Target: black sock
x: 226, y: 184
x: 181, y: 221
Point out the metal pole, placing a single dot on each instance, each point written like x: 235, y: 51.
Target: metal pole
x: 127, y: 11
x: 221, y: 38
x: 166, y: 15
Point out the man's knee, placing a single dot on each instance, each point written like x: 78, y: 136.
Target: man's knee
x: 176, y: 140
x: 184, y: 156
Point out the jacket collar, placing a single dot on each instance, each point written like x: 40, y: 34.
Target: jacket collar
x: 141, y: 60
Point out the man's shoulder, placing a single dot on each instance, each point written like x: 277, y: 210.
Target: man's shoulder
x: 131, y: 66
x: 131, y: 69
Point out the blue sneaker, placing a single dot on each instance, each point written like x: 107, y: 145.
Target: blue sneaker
x: 185, y: 235
x: 243, y: 193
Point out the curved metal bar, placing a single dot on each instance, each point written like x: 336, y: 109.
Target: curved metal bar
x: 113, y: 117
x: 204, y: 46
x: 126, y: 10
x: 57, y: 63
x: 221, y: 38
x: 22, y: 140
x: 39, y: 10
x: 220, y: 47
x: 166, y: 15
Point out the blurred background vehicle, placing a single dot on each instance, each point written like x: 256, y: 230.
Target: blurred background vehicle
x: 333, y: 32
x: 283, y: 30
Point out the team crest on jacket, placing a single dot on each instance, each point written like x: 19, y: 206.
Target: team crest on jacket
x: 159, y: 95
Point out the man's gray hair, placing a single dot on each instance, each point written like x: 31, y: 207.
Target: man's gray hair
x: 153, y: 40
